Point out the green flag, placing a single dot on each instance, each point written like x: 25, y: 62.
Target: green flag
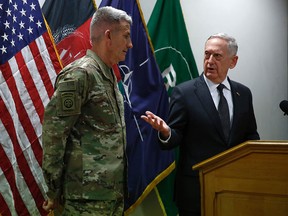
x: 171, y: 44
x: 175, y: 59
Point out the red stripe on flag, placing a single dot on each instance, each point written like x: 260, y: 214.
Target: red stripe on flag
x: 29, y: 83
x: 41, y: 65
x: 6, y: 166
x: 117, y: 72
x: 22, y: 113
x: 21, y: 161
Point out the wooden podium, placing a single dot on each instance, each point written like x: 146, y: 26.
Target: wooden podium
x: 250, y: 179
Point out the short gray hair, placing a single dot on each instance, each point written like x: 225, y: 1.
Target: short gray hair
x: 108, y: 15
x: 232, y: 44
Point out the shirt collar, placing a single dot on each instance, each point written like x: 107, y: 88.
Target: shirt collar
x: 212, y: 86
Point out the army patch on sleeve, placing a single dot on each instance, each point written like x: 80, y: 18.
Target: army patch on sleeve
x: 69, y: 101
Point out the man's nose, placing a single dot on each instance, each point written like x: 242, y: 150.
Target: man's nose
x: 130, y: 45
x: 211, y: 58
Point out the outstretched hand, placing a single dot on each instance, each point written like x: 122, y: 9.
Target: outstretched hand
x: 157, y: 123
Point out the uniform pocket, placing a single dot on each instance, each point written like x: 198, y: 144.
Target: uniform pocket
x: 100, y: 108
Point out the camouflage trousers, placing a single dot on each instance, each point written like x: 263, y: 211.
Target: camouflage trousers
x: 92, y: 208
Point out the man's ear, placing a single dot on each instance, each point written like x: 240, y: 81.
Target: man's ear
x: 108, y: 37
x: 108, y: 34
x: 233, y: 62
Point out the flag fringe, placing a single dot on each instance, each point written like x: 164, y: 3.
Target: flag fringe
x: 145, y: 26
x: 94, y: 4
x: 150, y: 187
x: 53, y: 42
x: 160, y: 201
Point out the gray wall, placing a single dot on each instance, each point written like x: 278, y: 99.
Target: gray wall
x: 260, y: 27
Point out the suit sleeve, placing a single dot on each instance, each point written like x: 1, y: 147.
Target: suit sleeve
x: 177, y: 120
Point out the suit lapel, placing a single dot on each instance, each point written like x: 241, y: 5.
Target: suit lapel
x: 204, y: 96
x: 236, y: 106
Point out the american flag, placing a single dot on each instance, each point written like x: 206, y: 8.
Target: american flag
x: 28, y: 68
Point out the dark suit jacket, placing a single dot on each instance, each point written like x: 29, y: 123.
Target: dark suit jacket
x: 196, y: 129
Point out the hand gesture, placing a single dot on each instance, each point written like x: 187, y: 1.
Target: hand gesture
x: 157, y: 123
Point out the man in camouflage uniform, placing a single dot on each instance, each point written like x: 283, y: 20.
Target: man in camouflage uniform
x: 84, y: 134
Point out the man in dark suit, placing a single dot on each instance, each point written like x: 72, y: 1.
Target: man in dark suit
x: 195, y: 119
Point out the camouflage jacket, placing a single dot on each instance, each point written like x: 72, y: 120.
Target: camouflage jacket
x: 84, y: 133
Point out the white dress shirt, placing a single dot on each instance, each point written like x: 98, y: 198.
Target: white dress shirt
x: 216, y: 96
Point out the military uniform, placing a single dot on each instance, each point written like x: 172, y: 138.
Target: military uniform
x: 84, y: 135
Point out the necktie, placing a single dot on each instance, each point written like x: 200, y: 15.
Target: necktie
x: 223, y: 111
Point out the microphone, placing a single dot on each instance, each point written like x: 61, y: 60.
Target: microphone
x: 284, y: 106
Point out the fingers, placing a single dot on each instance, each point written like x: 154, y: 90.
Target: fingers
x: 148, y: 113
x: 48, y: 205
x: 45, y: 206
x: 155, y: 121
x: 150, y: 117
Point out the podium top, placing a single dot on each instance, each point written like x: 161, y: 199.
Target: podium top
x: 248, y: 147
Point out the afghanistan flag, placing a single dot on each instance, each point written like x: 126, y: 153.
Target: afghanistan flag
x: 69, y: 22
x: 175, y: 59
x: 143, y: 90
